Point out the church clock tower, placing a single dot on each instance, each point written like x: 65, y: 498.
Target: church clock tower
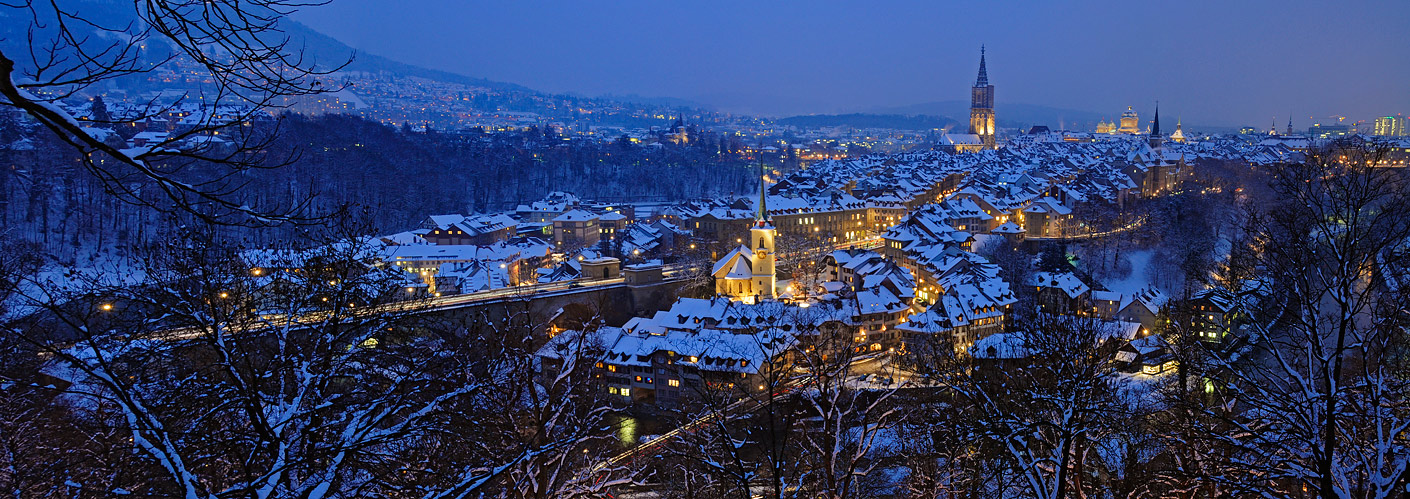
x: 981, y: 106
x: 761, y: 241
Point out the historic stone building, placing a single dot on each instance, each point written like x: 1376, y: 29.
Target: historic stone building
x: 981, y: 107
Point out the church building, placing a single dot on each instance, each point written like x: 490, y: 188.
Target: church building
x: 981, y: 106
x: 746, y: 273
x: 1155, y: 139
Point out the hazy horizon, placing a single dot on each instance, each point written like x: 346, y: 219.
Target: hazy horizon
x: 1210, y: 63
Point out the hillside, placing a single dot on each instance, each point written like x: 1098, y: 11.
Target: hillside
x: 326, y: 50
x: 862, y: 120
x: 1010, y: 115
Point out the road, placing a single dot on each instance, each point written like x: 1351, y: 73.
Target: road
x: 430, y: 304
x: 1092, y: 235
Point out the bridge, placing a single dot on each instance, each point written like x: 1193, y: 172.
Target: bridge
x: 613, y: 298
x: 1137, y: 223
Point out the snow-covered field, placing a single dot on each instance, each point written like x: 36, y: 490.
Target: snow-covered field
x: 1137, y: 280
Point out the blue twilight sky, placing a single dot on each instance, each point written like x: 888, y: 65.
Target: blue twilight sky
x: 1216, y: 63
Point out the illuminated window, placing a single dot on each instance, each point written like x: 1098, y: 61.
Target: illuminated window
x: 673, y: 382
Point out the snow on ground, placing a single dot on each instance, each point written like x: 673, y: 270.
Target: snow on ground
x: 1137, y: 280
x: 1139, y: 389
x: 102, y: 268
x: 982, y: 241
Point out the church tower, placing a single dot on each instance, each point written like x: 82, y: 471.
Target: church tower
x: 761, y: 241
x: 981, y: 106
x: 1155, y: 138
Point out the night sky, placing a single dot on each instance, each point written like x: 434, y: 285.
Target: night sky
x: 1214, y: 63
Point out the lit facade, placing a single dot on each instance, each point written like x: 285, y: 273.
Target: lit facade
x: 981, y: 108
x: 1130, y: 122
x: 747, y: 273
x: 1179, y: 135
x: 1390, y: 126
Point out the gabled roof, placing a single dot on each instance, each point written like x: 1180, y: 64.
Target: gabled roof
x: 740, y: 255
x: 1067, y: 282
x: 576, y: 215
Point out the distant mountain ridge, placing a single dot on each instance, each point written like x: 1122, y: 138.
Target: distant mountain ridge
x: 1009, y: 115
x: 328, y: 51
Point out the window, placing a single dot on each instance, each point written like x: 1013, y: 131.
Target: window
x: 673, y: 382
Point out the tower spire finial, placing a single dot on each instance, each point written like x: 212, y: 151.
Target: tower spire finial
x: 763, y: 215
x: 1155, y: 126
x: 983, y: 80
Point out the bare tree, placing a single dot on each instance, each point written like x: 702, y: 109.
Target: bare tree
x: 851, y: 427
x: 743, y: 424
x: 1044, y: 414
x: 801, y: 260
x: 303, y: 375
x: 1320, y: 405
x: 225, y: 127
x: 546, y: 417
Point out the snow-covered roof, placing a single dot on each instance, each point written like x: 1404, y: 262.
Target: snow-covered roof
x: 1065, y: 281
x: 576, y: 215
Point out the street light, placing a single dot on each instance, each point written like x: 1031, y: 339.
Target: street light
x: 106, y: 306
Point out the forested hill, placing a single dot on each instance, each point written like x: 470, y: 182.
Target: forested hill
x: 399, y: 176
x: 407, y: 174
x: 391, y: 90
x: 897, y: 121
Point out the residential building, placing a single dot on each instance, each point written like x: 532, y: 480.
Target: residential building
x: 576, y: 228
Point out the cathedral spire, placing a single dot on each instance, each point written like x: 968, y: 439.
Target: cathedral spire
x: 983, y: 80
x: 762, y: 218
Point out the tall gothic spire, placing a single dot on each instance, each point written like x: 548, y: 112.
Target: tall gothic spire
x: 1155, y: 126
x: 763, y: 215
x: 983, y: 80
